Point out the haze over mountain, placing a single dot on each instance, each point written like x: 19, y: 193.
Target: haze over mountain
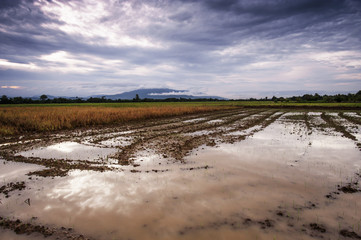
x: 156, y: 93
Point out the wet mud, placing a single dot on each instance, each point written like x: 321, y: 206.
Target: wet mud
x: 9, y: 187
x: 20, y: 227
x: 233, y: 174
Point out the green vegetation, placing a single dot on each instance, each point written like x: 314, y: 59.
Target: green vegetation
x: 307, y: 98
x: 264, y: 104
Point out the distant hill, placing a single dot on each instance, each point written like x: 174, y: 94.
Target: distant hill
x: 164, y: 93
x: 155, y: 93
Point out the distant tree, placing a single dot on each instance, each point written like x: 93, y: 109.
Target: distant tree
x: 78, y: 100
x: 137, y: 98
x: 326, y: 98
x: 338, y: 98
x: 307, y: 97
x: 4, y: 99
x: 43, y: 97
x: 358, y: 96
x: 18, y: 100
x: 317, y: 97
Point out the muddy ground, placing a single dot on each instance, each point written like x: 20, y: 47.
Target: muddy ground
x: 233, y: 174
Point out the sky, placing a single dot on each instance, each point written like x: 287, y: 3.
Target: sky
x: 225, y: 48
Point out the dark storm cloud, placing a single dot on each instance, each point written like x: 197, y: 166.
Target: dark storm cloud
x: 19, y: 12
x: 9, y: 3
x: 21, y: 32
x: 230, y: 15
x: 195, y: 42
x: 230, y: 21
x: 280, y: 17
x: 181, y: 17
x: 276, y: 8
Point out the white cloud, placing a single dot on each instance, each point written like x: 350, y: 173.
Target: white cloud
x: 6, y: 64
x: 339, y: 59
x: 170, y: 93
x: 111, y: 23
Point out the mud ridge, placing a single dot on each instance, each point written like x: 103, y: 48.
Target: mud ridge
x: 327, y: 118
x: 20, y: 227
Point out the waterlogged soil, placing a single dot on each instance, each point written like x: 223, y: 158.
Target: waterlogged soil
x: 234, y: 174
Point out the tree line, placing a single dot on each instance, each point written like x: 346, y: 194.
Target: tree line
x: 338, y: 98
x: 44, y: 99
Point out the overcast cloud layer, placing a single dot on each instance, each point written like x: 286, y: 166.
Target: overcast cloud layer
x: 218, y: 47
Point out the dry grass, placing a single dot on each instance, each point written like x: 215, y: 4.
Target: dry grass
x: 16, y: 120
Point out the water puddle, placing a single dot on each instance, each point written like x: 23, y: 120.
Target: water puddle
x: 350, y: 127
x: 194, y: 120
x: 19, y: 142
x: 149, y: 159
x: 117, y: 142
x: 10, y: 235
x: 315, y: 118
x: 246, y: 131
x: 199, y: 133
x: 70, y: 151
x: 352, y: 114
x: 14, y: 171
x: 108, y: 139
x: 270, y: 186
x: 215, y: 121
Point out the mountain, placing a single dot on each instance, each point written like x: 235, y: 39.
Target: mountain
x: 155, y: 93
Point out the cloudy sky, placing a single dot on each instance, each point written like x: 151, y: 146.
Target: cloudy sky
x: 217, y: 47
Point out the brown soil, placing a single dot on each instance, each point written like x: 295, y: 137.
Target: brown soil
x: 20, y: 227
x: 173, y: 139
x: 6, y: 189
x: 349, y: 234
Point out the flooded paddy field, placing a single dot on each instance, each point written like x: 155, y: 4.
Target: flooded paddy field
x: 232, y: 174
